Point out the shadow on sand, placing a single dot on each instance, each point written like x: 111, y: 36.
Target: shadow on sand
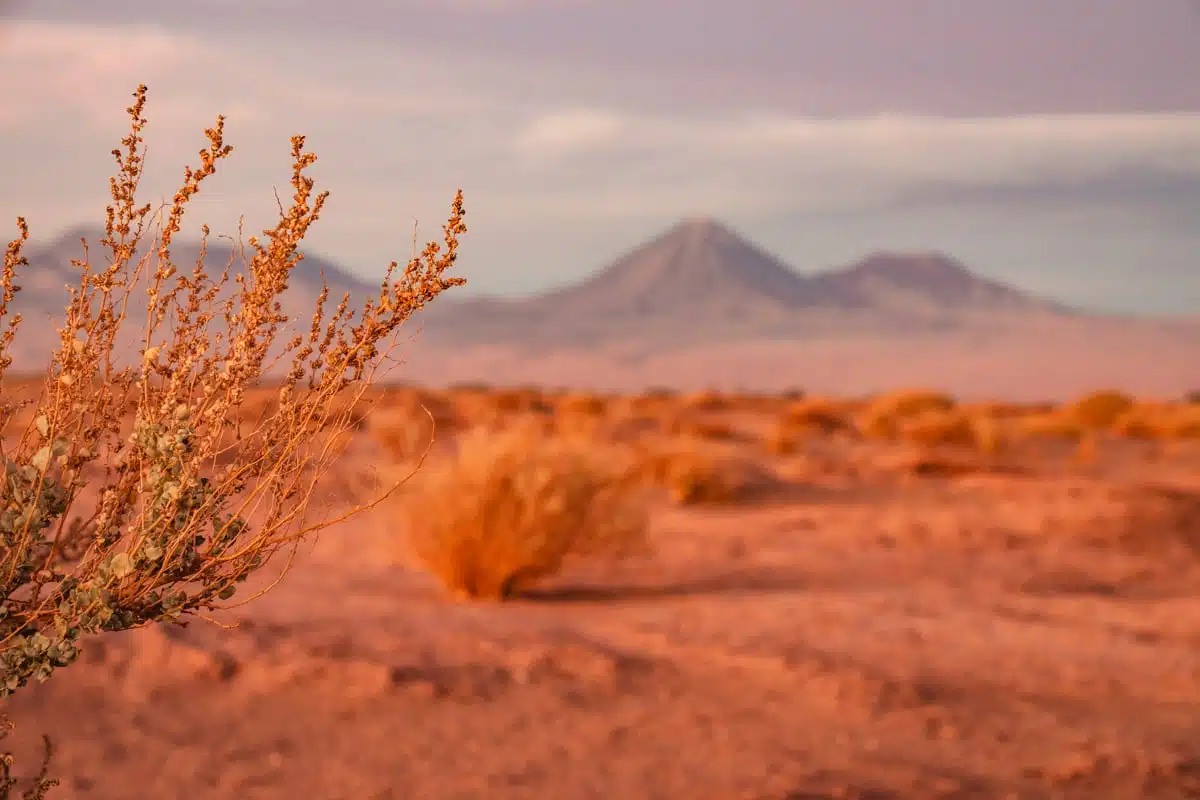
x: 748, y: 582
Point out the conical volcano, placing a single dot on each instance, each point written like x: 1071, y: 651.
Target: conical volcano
x: 697, y: 266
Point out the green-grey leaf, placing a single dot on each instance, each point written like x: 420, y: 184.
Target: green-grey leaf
x: 41, y: 459
x: 121, y: 565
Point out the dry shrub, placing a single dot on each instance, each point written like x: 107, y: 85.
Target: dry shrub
x: 1099, y: 410
x: 685, y: 426
x: 692, y: 475
x: 707, y: 400
x: 516, y: 401
x: 711, y: 431
x: 1051, y: 425
x: 1000, y: 409
x: 654, y: 402
x: 508, y: 509
x: 592, y: 405
x: 805, y: 418
x: 189, y: 506
x: 884, y: 416
x: 819, y: 414
x: 1159, y: 422
x: 779, y: 441
x: 910, y: 402
x: 954, y: 427
x: 575, y: 426
x: 1182, y: 423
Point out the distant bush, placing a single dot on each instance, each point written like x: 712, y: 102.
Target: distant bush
x: 884, y: 415
x: 1159, y: 422
x: 694, y: 475
x: 707, y: 400
x: 1049, y: 425
x: 955, y: 427
x: 510, y: 508
x: 1099, y: 410
x: 804, y: 418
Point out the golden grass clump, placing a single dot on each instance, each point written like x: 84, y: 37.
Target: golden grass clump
x: 710, y: 430
x: 954, y: 427
x: 706, y: 400
x: 805, y: 418
x: 1055, y: 425
x: 521, y: 400
x: 508, y: 509
x: 884, y: 415
x: 190, y: 502
x: 1098, y: 411
x: 694, y: 475
x: 1162, y: 422
x: 584, y: 404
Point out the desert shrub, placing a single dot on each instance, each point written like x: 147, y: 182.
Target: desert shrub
x: 1000, y: 409
x: 1099, y: 410
x: 707, y: 400
x: 1159, y: 422
x: 1050, y: 425
x: 911, y: 402
x: 694, y: 475
x: 510, y: 508
x: 802, y: 419
x: 592, y: 405
x: 514, y: 401
x: 189, y: 504
x: 650, y: 403
x: 1183, y: 423
x: 818, y: 414
x: 884, y: 415
x: 954, y: 427
x: 711, y: 431
x: 781, y: 441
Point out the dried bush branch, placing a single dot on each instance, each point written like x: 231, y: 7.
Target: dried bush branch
x: 187, y: 505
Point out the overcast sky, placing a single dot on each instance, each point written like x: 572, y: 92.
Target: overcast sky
x: 1051, y: 143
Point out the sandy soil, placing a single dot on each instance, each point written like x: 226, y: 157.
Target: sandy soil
x: 860, y: 630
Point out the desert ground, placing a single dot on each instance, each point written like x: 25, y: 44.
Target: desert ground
x: 885, y: 597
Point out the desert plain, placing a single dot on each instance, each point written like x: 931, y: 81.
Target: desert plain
x: 893, y: 596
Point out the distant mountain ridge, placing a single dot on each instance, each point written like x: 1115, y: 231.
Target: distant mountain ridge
x: 700, y: 281
x: 700, y: 306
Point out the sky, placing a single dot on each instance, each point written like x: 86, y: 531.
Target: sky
x: 1053, y: 145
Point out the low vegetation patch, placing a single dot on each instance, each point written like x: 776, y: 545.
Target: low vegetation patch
x: 510, y: 508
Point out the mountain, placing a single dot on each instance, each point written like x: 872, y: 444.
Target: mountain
x: 924, y: 282
x: 700, y: 282
x: 697, y: 266
x: 699, y: 306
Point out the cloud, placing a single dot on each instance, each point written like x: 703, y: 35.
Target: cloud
x: 550, y: 158
x: 826, y: 164
x: 570, y: 131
